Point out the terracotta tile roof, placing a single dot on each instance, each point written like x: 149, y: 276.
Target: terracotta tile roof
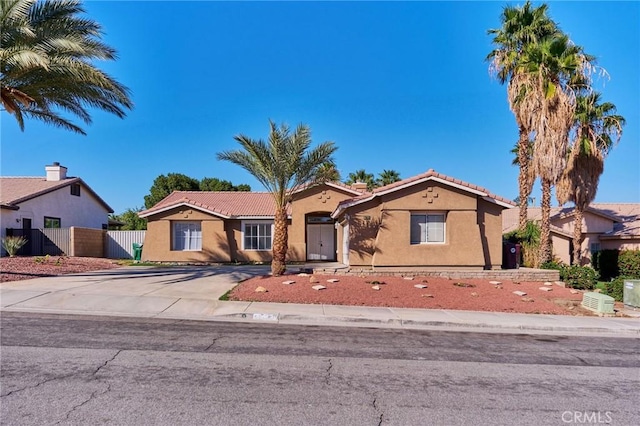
x: 339, y: 185
x: 15, y: 190
x: 222, y: 203
x: 429, y: 175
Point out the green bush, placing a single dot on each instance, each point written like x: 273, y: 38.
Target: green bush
x: 552, y: 264
x: 579, y: 277
x: 13, y: 244
x: 606, y: 263
x: 629, y: 263
x: 615, y: 288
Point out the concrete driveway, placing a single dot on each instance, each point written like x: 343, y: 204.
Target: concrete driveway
x: 143, y: 290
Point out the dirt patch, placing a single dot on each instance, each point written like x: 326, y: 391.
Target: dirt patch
x: 27, y: 267
x: 398, y: 292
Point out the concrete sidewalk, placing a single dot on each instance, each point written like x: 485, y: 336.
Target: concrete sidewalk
x: 192, y: 293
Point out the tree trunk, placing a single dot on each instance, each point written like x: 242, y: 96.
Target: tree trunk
x: 578, y: 236
x: 280, y: 242
x: 524, y: 178
x: 545, y: 223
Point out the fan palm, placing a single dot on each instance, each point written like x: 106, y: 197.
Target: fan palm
x: 281, y: 165
x: 387, y: 177
x: 363, y: 177
x: 521, y: 27
x: 46, y: 65
x: 596, y: 128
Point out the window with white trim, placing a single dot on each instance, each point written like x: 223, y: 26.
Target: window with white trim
x: 427, y: 228
x: 595, y: 247
x: 257, y: 235
x: 187, y: 236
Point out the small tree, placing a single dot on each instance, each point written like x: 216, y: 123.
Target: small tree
x: 13, y: 244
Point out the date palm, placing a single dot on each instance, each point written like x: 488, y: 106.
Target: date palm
x: 597, y: 128
x: 46, y: 64
x: 327, y: 172
x: 387, y: 177
x: 282, y: 164
x: 363, y: 177
x: 521, y: 27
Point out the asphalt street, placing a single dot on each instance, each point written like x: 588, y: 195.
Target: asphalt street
x: 100, y: 370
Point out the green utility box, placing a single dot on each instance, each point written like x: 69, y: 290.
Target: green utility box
x: 137, y: 252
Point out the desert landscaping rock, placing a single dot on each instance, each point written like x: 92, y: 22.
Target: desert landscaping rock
x: 572, y: 291
x: 376, y: 287
x: 408, y: 278
x: 288, y: 282
x: 261, y: 289
x: 527, y: 299
x: 303, y: 274
x: 495, y: 282
x: 546, y: 288
x: 313, y: 279
x: 519, y: 293
x: 474, y: 294
x: 430, y: 296
x: 560, y: 284
x: 548, y: 284
x: 318, y: 287
x: 333, y: 280
x: 420, y: 286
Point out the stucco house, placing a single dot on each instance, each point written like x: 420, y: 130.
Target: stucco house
x: 605, y: 226
x: 53, y: 201
x: 428, y: 220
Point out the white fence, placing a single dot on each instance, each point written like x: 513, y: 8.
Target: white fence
x: 120, y: 243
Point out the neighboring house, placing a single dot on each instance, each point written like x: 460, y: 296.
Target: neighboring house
x: 53, y: 201
x: 427, y: 220
x: 605, y: 226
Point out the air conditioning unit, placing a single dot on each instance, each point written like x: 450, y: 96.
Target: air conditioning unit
x: 596, y: 302
x: 631, y: 293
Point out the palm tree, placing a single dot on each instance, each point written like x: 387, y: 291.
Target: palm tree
x: 282, y: 165
x: 46, y: 65
x: 596, y: 128
x: 387, y: 177
x: 363, y: 177
x: 554, y: 67
x: 327, y: 172
x: 521, y: 27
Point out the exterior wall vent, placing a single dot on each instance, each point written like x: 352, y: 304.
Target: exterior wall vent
x: 631, y: 293
x: 599, y: 303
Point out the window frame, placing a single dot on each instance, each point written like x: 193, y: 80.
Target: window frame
x: 75, y: 186
x: 441, y: 214
x: 246, y: 223
x: 187, y: 243
x: 51, y: 218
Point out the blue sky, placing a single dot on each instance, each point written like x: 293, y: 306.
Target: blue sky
x: 396, y: 85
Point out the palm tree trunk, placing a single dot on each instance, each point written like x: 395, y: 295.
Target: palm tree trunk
x: 280, y: 245
x: 578, y: 236
x: 524, y: 179
x: 545, y: 223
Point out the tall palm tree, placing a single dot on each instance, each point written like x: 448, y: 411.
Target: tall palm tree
x: 554, y: 67
x: 521, y: 27
x: 327, y: 172
x: 387, y: 177
x: 46, y: 64
x: 597, y: 128
x: 361, y: 176
x: 282, y: 164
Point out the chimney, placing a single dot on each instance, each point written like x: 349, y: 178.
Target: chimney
x: 56, y: 172
x: 359, y: 186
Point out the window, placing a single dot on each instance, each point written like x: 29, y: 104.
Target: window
x: 595, y: 247
x: 187, y: 236
x: 51, y: 222
x: 257, y: 235
x: 427, y: 228
x: 75, y: 189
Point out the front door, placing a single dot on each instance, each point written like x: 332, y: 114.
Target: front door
x: 321, y: 241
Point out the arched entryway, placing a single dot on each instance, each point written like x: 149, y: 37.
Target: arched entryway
x: 321, y: 237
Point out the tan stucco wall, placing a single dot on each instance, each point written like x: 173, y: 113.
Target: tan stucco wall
x: 87, y: 242
x: 380, y: 230
x: 621, y: 244
x: 561, y: 246
x: 320, y: 199
x: 157, y: 244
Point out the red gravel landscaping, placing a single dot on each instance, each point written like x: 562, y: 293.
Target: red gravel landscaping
x: 440, y: 293
x: 27, y: 267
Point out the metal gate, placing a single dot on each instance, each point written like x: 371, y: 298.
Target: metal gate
x: 120, y: 243
x: 40, y: 242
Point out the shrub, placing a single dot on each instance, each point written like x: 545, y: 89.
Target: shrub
x: 629, y: 263
x: 579, y: 277
x: 552, y: 264
x: 606, y: 263
x: 13, y: 244
x: 615, y: 287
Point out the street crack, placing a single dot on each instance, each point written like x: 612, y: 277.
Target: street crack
x: 377, y: 409
x: 36, y: 385
x: 328, y: 375
x: 215, y: 339
x: 106, y: 362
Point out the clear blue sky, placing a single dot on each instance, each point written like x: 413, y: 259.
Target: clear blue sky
x: 400, y: 86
